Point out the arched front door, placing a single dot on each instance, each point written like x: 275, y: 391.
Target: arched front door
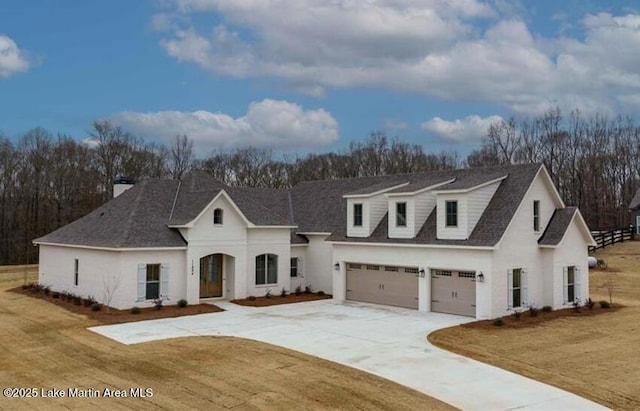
x: 211, y: 276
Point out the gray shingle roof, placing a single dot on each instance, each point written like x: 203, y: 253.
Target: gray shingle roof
x: 557, y: 226
x: 635, y: 201
x: 492, y: 223
x: 136, y: 218
x: 263, y: 206
x: 140, y: 217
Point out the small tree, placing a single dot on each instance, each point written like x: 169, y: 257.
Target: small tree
x: 110, y: 286
x: 610, y: 285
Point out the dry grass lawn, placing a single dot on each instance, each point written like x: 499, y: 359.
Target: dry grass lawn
x: 597, y: 357
x: 45, y: 346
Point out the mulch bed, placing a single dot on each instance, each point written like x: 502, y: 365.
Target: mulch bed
x: 527, y: 320
x: 113, y: 316
x: 278, y: 299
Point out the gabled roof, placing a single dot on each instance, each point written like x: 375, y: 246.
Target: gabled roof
x: 635, y: 201
x: 493, y: 222
x: 135, y: 219
x: 143, y: 215
x: 558, y: 225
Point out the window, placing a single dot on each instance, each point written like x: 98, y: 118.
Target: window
x: 466, y: 274
x: 411, y: 270
x: 517, y: 282
x: 357, y: 215
x: 153, y: 282
x: 75, y: 272
x: 571, y: 284
x: 390, y: 268
x: 217, y: 216
x: 536, y: 215
x: 401, y: 214
x: 266, y: 269
x: 354, y: 266
x: 373, y: 267
x: 294, y: 267
x: 452, y: 213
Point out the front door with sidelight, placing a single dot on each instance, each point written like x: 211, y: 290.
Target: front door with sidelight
x: 211, y: 276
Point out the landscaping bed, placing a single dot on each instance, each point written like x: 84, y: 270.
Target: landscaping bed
x: 280, y: 299
x: 532, y: 318
x: 105, y: 315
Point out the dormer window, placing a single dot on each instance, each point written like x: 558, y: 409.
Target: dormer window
x: 452, y: 213
x: 217, y: 216
x: 357, y: 215
x: 536, y: 215
x: 401, y: 214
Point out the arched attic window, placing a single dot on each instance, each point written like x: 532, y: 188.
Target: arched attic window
x: 217, y: 216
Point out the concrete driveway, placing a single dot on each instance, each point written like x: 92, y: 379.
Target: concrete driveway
x: 386, y: 341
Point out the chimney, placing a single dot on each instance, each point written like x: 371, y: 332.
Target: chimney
x: 121, y: 184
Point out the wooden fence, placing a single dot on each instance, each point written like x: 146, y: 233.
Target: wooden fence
x: 605, y: 238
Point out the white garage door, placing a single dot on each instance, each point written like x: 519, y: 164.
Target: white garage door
x: 453, y: 292
x: 379, y: 284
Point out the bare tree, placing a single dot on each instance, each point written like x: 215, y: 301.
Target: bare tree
x: 180, y: 156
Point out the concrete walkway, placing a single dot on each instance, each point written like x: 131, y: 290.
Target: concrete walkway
x: 386, y: 341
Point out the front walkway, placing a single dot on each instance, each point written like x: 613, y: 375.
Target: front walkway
x: 386, y: 341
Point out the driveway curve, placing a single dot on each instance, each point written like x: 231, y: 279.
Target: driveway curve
x: 386, y: 341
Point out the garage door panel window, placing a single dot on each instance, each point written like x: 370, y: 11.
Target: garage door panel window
x: 266, y: 269
x: 373, y: 267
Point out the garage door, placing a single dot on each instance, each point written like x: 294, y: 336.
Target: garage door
x: 453, y: 292
x: 379, y: 284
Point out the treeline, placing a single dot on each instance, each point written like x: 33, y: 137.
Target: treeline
x: 593, y: 161
x: 49, y: 180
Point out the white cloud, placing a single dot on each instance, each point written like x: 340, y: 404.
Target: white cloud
x: 268, y: 123
x: 12, y: 59
x: 393, y: 124
x: 433, y: 47
x: 467, y: 129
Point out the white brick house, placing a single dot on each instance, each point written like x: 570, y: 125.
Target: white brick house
x: 476, y: 242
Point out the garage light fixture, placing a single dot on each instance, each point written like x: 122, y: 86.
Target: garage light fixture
x: 422, y: 272
x: 481, y: 277
x: 336, y: 266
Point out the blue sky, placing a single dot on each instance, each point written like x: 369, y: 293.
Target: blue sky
x: 312, y: 75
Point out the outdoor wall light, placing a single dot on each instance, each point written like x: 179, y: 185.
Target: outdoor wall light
x: 481, y: 277
x: 336, y: 266
x: 422, y: 272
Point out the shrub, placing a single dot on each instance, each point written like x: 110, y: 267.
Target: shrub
x: 298, y: 290
x: 283, y: 292
x: 24, y: 286
x: 498, y: 322
x: 89, y: 301
x: 96, y: 307
x: 547, y: 309
x: 576, y: 305
x: 135, y: 310
x: 605, y: 304
x: 157, y: 303
x: 182, y: 303
x: 308, y: 289
x: 251, y: 298
x: 533, y: 311
x: 77, y: 300
x: 268, y: 293
x: 46, y: 290
x: 516, y: 315
x: 589, y: 303
x: 55, y: 294
x: 320, y: 293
